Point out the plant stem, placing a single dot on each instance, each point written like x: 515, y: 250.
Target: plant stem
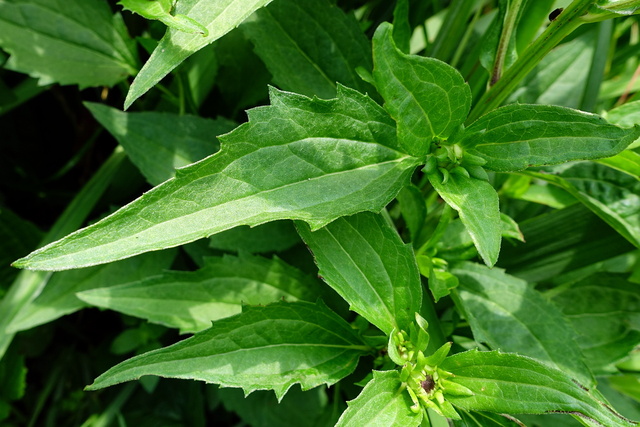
x: 510, y: 21
x: 557, y: 30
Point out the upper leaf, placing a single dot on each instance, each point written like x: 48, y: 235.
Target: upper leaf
x: 217, y: 16
x: 363, y: 258
x: 263, y: 348
x: 514, y: 384
x: 383, y: 402
x: 68, y: 42
x: 299, y: 158
x: 427, y: 97
x: 477, y: 204
x: 514, y: 137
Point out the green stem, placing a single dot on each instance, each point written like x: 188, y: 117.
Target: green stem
x: 557, y: 30
x: 510, y: 21
x: 28, y: 285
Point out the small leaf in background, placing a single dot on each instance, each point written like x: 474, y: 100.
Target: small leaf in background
x: 413, y: 210
x: 263, y: 348
x: 505, y: 313
x: 476, y: 202
x: 17, y: 238
x: 604, y: 309
x: 427, y: 97
x: 514, y: 384
x: 326, y: 159
x: 158, y: 143
x: 515, y: 137
x: 161, y: 10
x: 363, y: 259
x: 190, y: 301
x: 67, y: 42
x: 59, y: 298
x: 309, y: 46
x: 217, y: 16
x: 383, y: 402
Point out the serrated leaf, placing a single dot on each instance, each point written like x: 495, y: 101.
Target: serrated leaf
x: 59, y: 298
x: 427, y: 97
x: 515, y: 137
x: 383, y: 402
x: 67, y: 42
x: 504, y: 312
x: 263, y: 348
x: 300, y: 158
x: 477, y: 204
x: 309, y: 46
x: 217, y: 16
x: 603, y: 309
x: 510, y: 383
x: 191, y: 300
x: 363, y: 259
x: 157, y: 142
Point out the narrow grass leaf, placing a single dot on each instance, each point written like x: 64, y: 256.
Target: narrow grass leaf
x: 263, y: 348
x: 300, y: 158
x: 67, y: 42
x: 514, y: 384
x: 363, y: 258
x: 516, y: 137
x: 477, y: 204
x: 508, y: 315
x: 191, y: 300
x: 217, y: 16
x: 427, y: 97
x: 309, y: 46
x: 383, y: 402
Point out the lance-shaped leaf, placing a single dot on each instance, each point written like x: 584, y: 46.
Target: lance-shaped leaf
x: 517, y: 136
x: 477, y: 204
x: 68, y: 42
x: 191, y: 300
x: 218, y: 17
x: 383, y: 402
x: 263, y: 348
x: 508, y: 315
x: 299, y: 158
x: 427, y: 98
x: 510, y: 383
x: 363, y: 258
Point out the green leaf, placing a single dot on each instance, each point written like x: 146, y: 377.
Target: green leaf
x: 217, y: 16
x: 299, y: 158
x: 309, y: 46
x: 508, y: 315
x: 628, y: 162
x: 626, y: 116
x: 17, y: 238
x: 263, y: 348
x: 161, y: 10
x: 603, y: 309
x: 383, y: 402
x: 427, y: 98
x: 191, y: 300
x: 365, y: 261
x: 514, y: 137
x: 477, y: 204
x: 59, y: 298
x: 275, y: 236
x: 67, y: 42
x: 158, y: 143
x: 484, y: 419
x: 510, y: 383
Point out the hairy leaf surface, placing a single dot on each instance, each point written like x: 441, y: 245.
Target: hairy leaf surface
x: 427, y: 97
x: 263, y: 348
x: 217, y: 16
x: 68, y: 42
x: 190, y: 301
x: 515, y: 137
x: 363, y: 258
x: 508, y: 315
x: 383, y: 402
x: 299, y: 158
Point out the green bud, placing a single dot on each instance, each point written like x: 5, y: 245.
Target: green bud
x: 478, y: 172
x: 459, y: 170
x: 473, y: 159
x: 445, y: 175
x: 431, y: 165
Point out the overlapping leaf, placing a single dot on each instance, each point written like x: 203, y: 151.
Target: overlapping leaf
x: 515, y: 137
x: 263, y: 348
x: 299, y: 158
x: 364, y: 260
